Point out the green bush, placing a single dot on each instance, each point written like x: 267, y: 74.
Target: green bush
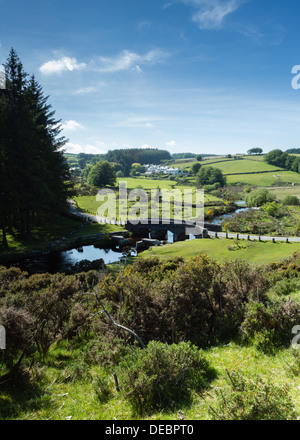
x: 162, y: 376
x: 209, y: 176
x: 259, y: 197
x: 210, y: 188
x: 287, y: 286
x: 291, y: 200
x: 269, y: 325
x: 252, y: 399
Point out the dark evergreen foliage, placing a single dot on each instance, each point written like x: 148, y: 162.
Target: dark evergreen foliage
x: 33, y: 172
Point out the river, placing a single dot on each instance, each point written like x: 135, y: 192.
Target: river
x: 59, y: 261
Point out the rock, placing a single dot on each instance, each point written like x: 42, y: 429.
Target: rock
x: 150, y: 242
x: 140, y: 246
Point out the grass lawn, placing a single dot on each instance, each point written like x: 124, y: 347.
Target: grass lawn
x: 253, y: 252
x: 60, y: 398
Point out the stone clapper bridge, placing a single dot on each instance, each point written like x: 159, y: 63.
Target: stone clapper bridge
x: 153, y: 231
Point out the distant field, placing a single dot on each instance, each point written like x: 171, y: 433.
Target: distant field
x: 89, y: 204
x: 146, y: 184
x: 244, y: 166
x: 247, y: 164
x: 261, y: 173
x: 259, y: 157
x: 265, y: 179
x: 186, y: 165
x: 280, y: 193
x: 253, y: 252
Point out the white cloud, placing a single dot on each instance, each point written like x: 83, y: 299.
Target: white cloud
x: 171, y: 144
x: 127, y: 60
x: 210, y: 14
x: 62, y: 65
x: 78, y: 148
x: 71, y: 125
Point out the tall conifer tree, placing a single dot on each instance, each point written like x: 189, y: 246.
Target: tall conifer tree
x: 33, y: 172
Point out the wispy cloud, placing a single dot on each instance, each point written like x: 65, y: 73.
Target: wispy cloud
x: 138, y: 122
x: 128, y: 60
x: 210, y: 14
x: 64, y: 64
x: 71, y: 126
x: 143, y: 24
x: 85, y: 90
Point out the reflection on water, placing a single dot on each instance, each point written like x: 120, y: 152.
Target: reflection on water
x: 218, y: 220
x: 90, y: 253
x: 58, y: 261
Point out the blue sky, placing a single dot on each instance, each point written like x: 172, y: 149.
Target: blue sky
x: 202, y: 76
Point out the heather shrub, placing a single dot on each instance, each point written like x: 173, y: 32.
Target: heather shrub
x: 162, y: 376
x: 18, y: 325
x: 9, y: 275
x: 270, y: 325
x: 252, y: 399
x: 172, y: 301
x: 188, y: 300
x: 240, y: 282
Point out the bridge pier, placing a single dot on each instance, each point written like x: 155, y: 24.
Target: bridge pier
x: 159, y: 230
x: 160, y: 234
x: 181, y: 236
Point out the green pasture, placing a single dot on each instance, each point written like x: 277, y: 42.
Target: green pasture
x: 265, y: 179
x: 147, y: 184
x: 253, y: 252
x: 281, y: 193
x: 243, y: 166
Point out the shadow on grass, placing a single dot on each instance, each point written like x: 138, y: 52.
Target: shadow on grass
x: 19, y: 396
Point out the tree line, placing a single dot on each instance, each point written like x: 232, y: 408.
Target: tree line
x: 126, y: 157
x: 283, y: 160
x: 34, y: 176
